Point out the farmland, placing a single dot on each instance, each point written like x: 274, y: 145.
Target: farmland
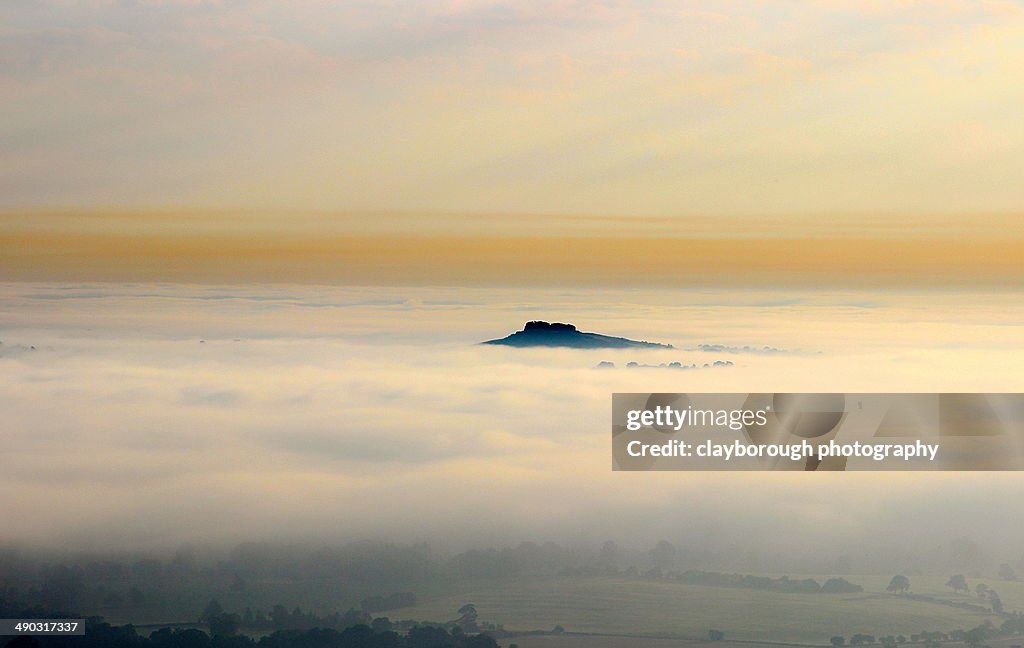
x: 667, y: 609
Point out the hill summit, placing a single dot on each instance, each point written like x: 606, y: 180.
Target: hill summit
x: 555, y: 334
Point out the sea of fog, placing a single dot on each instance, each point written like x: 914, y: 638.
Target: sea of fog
x: 150, y: 415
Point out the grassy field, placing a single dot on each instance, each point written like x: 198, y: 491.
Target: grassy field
x: 590, y: 641
x: 597, y: 641
x: 610, y: 606
x: 630, y: 606
x: 1011, y: 593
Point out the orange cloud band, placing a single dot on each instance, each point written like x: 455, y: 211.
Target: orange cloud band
x: 493, y: 260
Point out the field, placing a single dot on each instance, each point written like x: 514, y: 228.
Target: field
x: 1011, y: 593
x: 610, y: 606
x: 597, y: 641
x: 591, y: 641
x: 652, y: 608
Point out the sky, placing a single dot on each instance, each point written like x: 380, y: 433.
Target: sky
x: 227, y: 228
x: 260, y: 246
x: 516, y: 106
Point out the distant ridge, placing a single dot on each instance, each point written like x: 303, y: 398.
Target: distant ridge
x: 548, y: 334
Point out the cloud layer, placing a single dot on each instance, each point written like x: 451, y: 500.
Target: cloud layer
x: 579, y: 106
x: 149, y: 415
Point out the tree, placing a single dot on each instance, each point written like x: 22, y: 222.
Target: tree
x: 663, y: 555
x: 224, y: 624
x: 997, y: 603
x: 280, y: 618
x: 468, y: 611
x: 840, y: 586
x: 467, y: 617
x: 175, y: 637
x: 1006, y: 572
x: 899, y: 585
x: 212, y: 609
x: 958, y: 583
x: 838, y: 641
x: 61, y: 587
x: 609, y: 552
x: 975, y: 636
x: 981, y: 590
x: 716, y: 635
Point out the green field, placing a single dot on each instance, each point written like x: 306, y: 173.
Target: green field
x: 1011, y: 593
x: 631, y: 606
x: 606, y: 606
x: 598, y: 641
x: 592, y: 641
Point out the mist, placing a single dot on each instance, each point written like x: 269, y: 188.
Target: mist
x: 142, y: 417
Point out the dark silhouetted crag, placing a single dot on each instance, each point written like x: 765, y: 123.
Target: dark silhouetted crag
x: 547, y: 334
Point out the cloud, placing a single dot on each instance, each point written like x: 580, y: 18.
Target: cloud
x: 512, y: 106
x: 210, y: 396
x: 380, y: 411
